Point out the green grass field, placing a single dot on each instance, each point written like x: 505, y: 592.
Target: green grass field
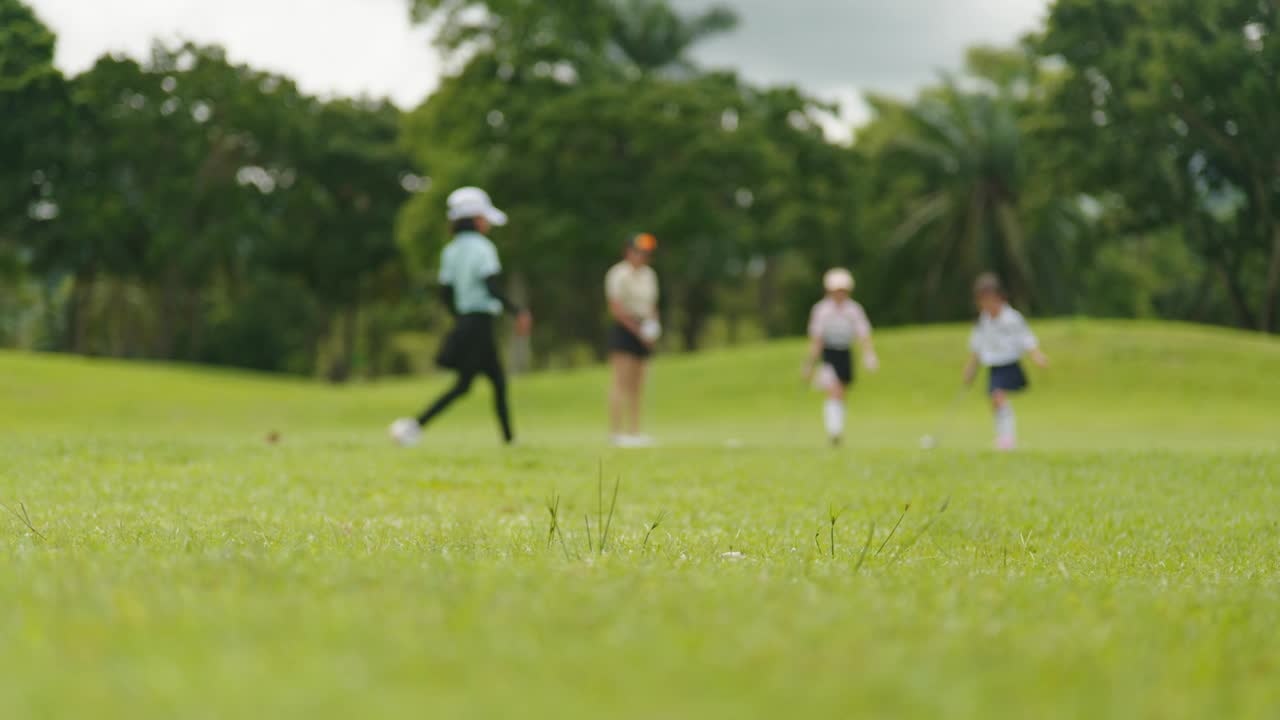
x: 1124, y: 565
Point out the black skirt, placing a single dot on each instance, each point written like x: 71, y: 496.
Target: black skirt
x: 470, y: 346
x: 842, y: 362
x: 622, y: 340
x: 1009, y: 378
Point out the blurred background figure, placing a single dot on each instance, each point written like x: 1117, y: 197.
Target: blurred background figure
x: 836, y: 323
x: 631, y: 288
x: 471, y: 287
x: 998, y: 342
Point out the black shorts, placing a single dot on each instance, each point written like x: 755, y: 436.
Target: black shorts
x: 622, y: 340
x: 842, y: 362
x: 470, y: 346
x: 1009, y: 378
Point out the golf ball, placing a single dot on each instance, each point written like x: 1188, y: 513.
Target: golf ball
x: 928, y: 442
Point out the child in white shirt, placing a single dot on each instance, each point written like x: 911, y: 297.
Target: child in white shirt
x: 998, y: 342
x: 835, y: 324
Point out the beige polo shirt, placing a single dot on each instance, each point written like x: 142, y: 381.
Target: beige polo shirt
x: 634, y: 288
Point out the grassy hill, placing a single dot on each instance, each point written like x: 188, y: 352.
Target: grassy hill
x: 160, y: 560
x: 1111, y: 385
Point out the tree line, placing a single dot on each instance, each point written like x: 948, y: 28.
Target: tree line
x: 1120, y: 161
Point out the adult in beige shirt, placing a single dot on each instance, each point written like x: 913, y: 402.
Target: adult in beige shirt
x: 631, y: 288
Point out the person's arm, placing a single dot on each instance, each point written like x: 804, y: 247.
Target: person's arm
x: 524, y: 319
x: 620, y: 314
x: 495, y: 287
x: 446, y: 279
x: 815, y: 356
x: 447, y: 297
x: 870, y: 360
x: 1032, y: 345
x: 613, y: 293
x: 657, y: 297
x: 971, y: 369
x: 815, y: 345
x: 490, y: 269
x: 975, y: 357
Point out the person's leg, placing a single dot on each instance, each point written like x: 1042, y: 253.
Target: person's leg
x: 618, y: 394
x: 459, y: 389
x: 498, y: 378
x: 833, y: 412
x: 1006, y: 421
x: 639, y: 368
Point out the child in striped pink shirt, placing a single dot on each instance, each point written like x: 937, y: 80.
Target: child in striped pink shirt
x: 836, y: 323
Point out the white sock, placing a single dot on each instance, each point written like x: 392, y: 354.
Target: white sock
x: 1006, y: 423
x: 833, y: 414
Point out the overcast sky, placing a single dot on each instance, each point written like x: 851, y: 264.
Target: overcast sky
x: 835, y: 48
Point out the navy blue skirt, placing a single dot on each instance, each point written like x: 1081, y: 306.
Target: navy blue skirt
x: 1009, y: 378
x: 470, y: 347
x: 842, y: 362
x: 622, y: 340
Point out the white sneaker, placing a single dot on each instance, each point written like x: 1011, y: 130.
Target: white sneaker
x: 405, y: 432
x: 632, y: 441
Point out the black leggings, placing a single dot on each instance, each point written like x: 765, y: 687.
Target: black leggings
x: 497, y: 378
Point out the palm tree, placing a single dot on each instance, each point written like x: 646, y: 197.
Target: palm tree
x: 965, y: 151
x: 651, y: 37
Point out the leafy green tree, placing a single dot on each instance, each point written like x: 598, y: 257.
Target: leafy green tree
x: 963, y: 186
x: 161, y: 182
x: 26, y: 47
x: 517, y: 32
x: 270, y: 326
x: 210, y: 187
x: 652, y: 37
x: 1176, y: 101
x: 350, y: 185
x: 965, y: 152
x: 805, y: 207
x: 32, y: 101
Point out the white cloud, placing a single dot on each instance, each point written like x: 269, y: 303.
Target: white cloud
x: 839, y: 49
x: 347, y: 47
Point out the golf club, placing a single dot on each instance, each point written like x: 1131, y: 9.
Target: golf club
x: 930, y: 442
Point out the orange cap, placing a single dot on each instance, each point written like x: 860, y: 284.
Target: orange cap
x: 644, y: 242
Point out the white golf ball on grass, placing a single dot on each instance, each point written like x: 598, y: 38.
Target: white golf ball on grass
x: 928, y: 442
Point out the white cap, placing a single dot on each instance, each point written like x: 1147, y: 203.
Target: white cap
x: 472, y: 202
x: 838, y: 279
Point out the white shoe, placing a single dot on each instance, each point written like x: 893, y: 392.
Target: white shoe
x: 632, y: 441
x: 405, y: 432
